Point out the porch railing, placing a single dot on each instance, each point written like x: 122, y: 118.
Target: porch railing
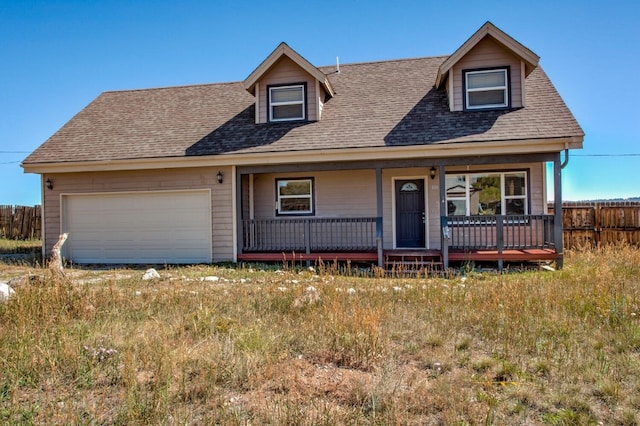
x: 309, y: 234
x: 497, y: 232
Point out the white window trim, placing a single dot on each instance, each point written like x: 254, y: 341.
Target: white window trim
x: 503, y: 196
x: 486, y: 89
x: 274, y: 104
x: 282, y: 197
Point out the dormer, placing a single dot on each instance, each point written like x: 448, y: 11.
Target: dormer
x: 487, y: 72
x: 288, y: 88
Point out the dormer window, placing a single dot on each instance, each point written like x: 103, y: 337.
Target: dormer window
x: 487, y: 88
x: 287, y: 103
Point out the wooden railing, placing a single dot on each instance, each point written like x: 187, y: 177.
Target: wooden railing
x: 497, y: 232
x: 309, y: 235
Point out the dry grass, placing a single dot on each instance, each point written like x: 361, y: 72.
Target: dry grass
x: 260, y: 347
x: 20, y: 246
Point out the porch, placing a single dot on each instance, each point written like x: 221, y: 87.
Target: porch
x: 395, y: 211
x: 490, y: 238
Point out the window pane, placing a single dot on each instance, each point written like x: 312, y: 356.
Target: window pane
x: 487, y: 97
x: 286, y: 94
x: 486, y: 79
x: 281, y: 112
x: 514, y: 184
x: 456, y: 207
x: 485, y: 195
x: 294, y: 187
x: 515, y: 206
x: 456, y: 186
x: 295, y: 204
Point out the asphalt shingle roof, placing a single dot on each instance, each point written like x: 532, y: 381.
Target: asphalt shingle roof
x: 377, y: 104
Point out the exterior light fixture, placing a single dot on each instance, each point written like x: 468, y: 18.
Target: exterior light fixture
x: 432, y: 172
x: 49, y: 184
x: 219, y: 176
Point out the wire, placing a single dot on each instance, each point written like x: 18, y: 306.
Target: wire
x: 605, y: 155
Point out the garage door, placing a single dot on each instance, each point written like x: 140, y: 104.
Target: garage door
x: 139, y: 227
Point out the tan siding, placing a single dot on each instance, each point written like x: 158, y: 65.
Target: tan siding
x: 285, y: 71
x: 485, y: 54
x: 337, y: 194
x: 154, y: 180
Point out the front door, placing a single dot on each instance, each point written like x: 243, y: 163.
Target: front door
x: 410, y: 213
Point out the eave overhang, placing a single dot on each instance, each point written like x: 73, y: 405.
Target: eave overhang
x: 461, y: 149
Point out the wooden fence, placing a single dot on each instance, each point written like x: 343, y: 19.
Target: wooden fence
x: 588, y: 224
x: 20, y: 222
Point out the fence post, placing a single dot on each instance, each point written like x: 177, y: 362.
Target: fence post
x: 598, y: 224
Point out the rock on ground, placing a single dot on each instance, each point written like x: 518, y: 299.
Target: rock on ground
x: 151, y: 274
x: 5, y: 292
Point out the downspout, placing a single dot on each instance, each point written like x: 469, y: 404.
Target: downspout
x: 566, y: 156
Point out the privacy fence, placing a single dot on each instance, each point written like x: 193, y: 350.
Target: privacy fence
x: 20, y: 222
x: 587, y: 224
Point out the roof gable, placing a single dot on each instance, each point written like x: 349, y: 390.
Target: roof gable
x: 283, y: 49
x: 488, y: 30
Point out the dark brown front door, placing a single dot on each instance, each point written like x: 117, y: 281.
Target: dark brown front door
x: 410, y: 209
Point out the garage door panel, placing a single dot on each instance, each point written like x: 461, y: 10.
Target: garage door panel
x: 154, y: 227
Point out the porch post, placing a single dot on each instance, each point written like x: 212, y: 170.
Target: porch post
x: 379, y: 213
x: 239, y: 227
x: 444, y: 226
x: 557, y: 210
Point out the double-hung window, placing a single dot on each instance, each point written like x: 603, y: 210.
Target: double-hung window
x: 500, y: 193
x: 286, y: 103
x: 486, y: 88
x: 294, y: 196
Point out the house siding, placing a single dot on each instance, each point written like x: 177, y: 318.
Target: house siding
x: 350, y: 193
x: 487, y: 54
x: 284, y: 72
x: 153, y: 180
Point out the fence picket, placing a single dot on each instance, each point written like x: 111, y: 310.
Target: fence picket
x: 590, y: 223
x: 20, y: 222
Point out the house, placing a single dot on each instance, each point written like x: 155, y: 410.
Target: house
x: 437, y: 158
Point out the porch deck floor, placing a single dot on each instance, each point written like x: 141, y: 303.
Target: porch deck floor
x: 406, y: 256
x: 371, y: 257
x: 522, y: 255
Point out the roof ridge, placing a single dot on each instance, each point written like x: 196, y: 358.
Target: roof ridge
x: 179, y: 86
x: 385, y: 61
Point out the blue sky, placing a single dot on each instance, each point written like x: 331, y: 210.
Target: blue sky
x: 57, y: 56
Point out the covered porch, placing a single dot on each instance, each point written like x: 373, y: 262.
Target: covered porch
x: 310, y: 238
x: 490, y: 238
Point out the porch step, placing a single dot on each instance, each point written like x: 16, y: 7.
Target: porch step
x: 407, y: 261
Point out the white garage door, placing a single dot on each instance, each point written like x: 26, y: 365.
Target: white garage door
x: 139, y: 227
